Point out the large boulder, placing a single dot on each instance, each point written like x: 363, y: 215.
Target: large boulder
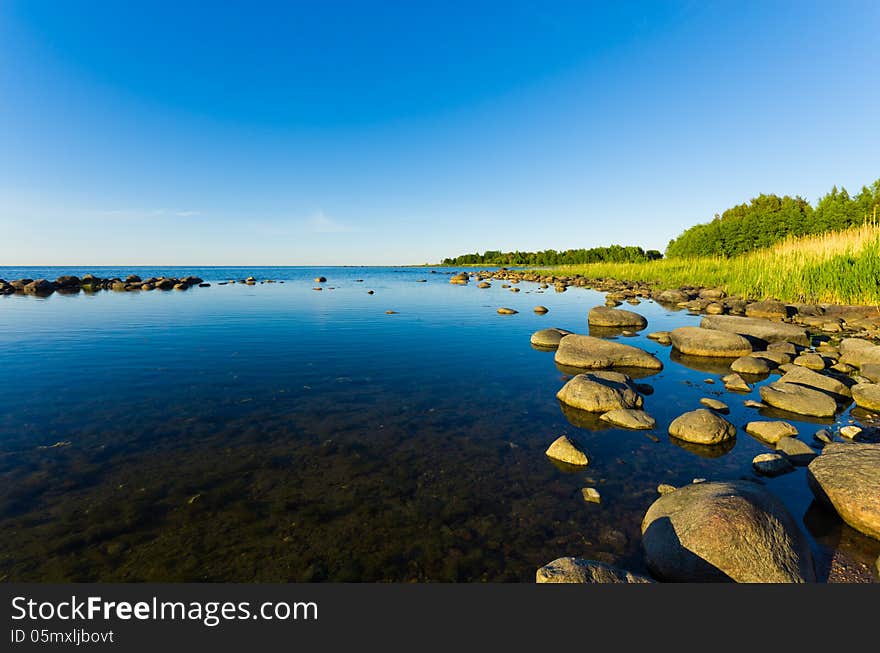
x: 770, y: 432
x: 588, y: 352
x: 838, y: 388
x: 798, y: 399
x: 847, y: 477
x: 696, y: 341
x: 750, y: 365
x: 600, y: 392
x: 858, y: 352
x: 867, y: 395
x: 702, y: 426
x: 732, y: 531
x: 578, y: 570
x: 757, y: 328
x: 548, y: 338
x: 39, y: 287
x: 604, y: 316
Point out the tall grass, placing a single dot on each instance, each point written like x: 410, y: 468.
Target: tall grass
x: 839, y: 267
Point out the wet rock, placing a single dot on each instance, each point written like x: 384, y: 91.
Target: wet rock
x: 133, y: 278
x: 587, y: 352
x: 751, y: 403
x: 715, y: 404
x: 771, y: 464
x: 320, y: 279
x: 615, y: 317
x: 541, y: 310
x: 461, y: 278
x: 695, y: 341
x: 769, y: 309
x: 548, y: 338
x: 180, y: 286
x: 796, y: 451
x: 484, y: 284
x: 579, y: 570
x: 629, y: 418
x: 147, y: 286
x: 566, y: 451
x: 507, y: 311
x: 798, y: 399
x: 599, y: 392
x: 67, y: 282
x: 702, y: 426
x: 735, y: 531
x: 824, y: 436
x: 750, y: 365
x: 663, y: 337
x: 760, y: 329
x: 846, y: 477
x: 161, y: 284
x: 867, y: 396
x: 850, y: 431
x: 39, y: 287
x: 770, y: 432
x: 665, y: 488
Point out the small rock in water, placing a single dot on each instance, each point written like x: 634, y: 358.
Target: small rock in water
x: 709, y: 381
x: 320, y: 279
x: 702, y: 426
x: 715, y: 404
x: 751, y: 403
x: 824, y: 435
x: 735, y: 382
x: 770, y: 432
x: 796, y: 451
x: 698, y: 480
x: 771, y: 464
x: 506, y: 311
x: 630, y: 418
x: 371, y: 292
x: 850, y: 431
x: 566, y: 451
x: 591, y: 495
x: 665, y: 488
x: 579, y: 570
x: 390, y: 312
x: 541, y: 310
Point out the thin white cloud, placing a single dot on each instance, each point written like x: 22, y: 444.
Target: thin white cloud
x: 322, y: 224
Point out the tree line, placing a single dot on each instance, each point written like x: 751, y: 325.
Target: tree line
x: 611, y: 254
x: 768, y: 219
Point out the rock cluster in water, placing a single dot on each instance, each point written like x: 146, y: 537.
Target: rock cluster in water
x: 90, y: 283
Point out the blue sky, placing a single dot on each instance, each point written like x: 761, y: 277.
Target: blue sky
x: 327, y: 132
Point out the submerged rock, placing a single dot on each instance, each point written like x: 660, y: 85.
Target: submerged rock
x: 591, y: 495
x: 796, y: 451
x: 702, y: 426
x: 588, y: 352
x: 735, y: 531
x: 579, y: 570
x: 566, y: 451
x: 540, y: 310
x: 736, y: 383
x: 615, y: 317
x: 599, y: 392
x: 715, y: 405
x: 696, y: 341
x: 507, y: 311
x: 771, y: 464
x: 846, y: 477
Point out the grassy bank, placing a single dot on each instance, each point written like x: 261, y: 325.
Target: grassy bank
x: 841, y: 267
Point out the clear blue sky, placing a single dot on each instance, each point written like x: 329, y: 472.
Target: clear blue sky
x: 402, y: 132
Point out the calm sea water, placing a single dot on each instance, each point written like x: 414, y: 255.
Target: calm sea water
x: 277, y: 433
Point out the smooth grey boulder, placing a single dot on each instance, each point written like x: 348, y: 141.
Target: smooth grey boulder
x: 702, y: 426
x: 578, y: 570
x: 798, y: 399
x: 588, y: 352
x: 730, y: 531
x: 604, y: 316
x: 846, y: 477
x: 758, y: 328
x: 600, y: 392
x: 696, y: 341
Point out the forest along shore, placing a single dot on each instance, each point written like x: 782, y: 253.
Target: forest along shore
x: 727, y: 530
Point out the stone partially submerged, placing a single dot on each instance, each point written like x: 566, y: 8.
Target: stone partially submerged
x: 846, y: 477
x: 702, y: 426
x: 837, y: 387
x: 566, y: 451
x: 757, y: 328
x: 548, y: 338
x: 604, y: 316
x: 588, y: 352
x: 734, y: 531
x: 629, y: 418
x: 798, y: 399
x: 696, y: 341
x: 600, y: 392
x: 578, y: 570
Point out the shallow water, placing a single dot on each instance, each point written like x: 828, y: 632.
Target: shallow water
x: 276, y: 433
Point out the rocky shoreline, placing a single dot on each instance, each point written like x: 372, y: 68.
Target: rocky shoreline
x: 827, y: 359
x: 71, y: 284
